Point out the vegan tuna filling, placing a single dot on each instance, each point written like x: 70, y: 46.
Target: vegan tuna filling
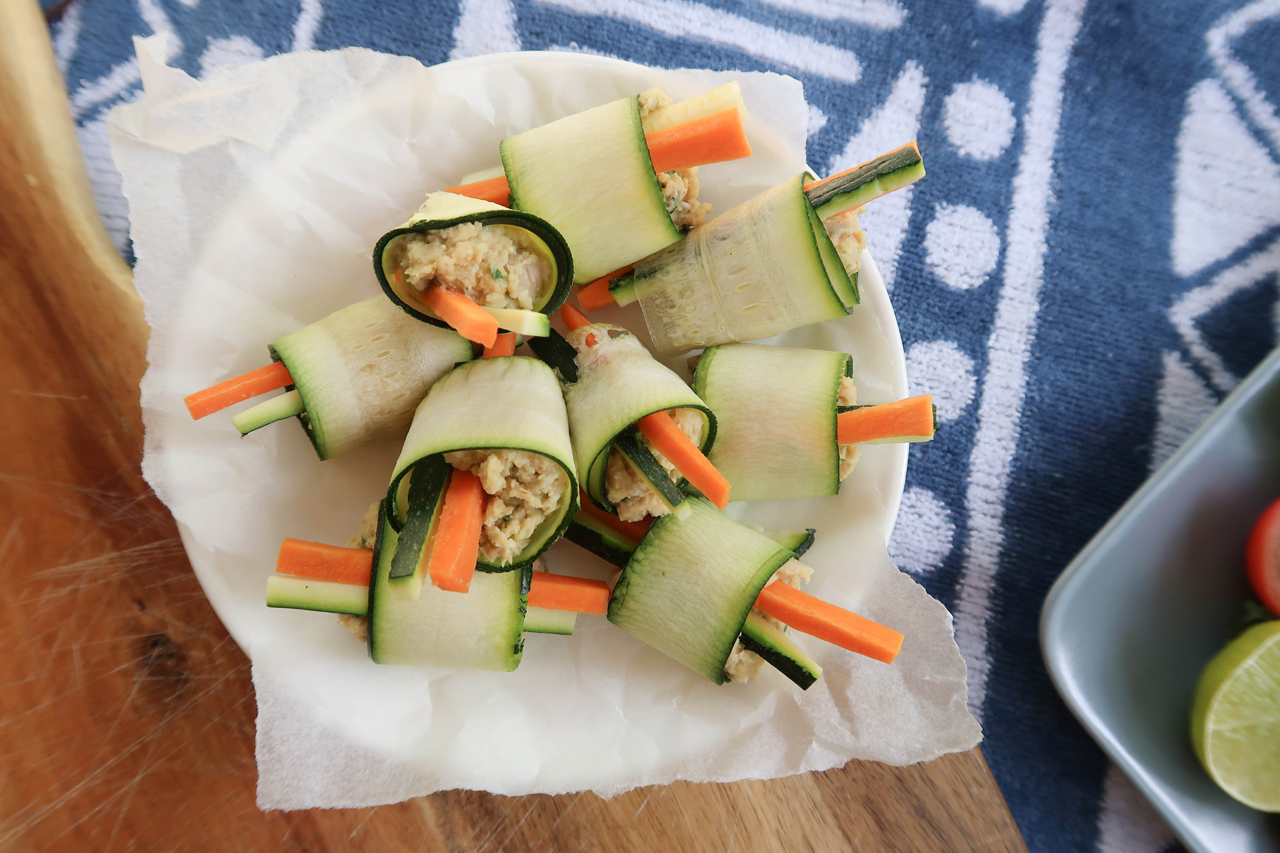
x: 745, y: 665
x: 363, y: 538
x: 630, y: 495
x: 497, y: 266
x: 524, y: 489
x: 847, y: 237
x: 680, y: 187
x: 849, y: 453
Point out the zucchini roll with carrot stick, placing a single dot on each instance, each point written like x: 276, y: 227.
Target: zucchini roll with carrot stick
x: 787, y: 258
x: 639, y: 432
x: 480, y: 630
x: 476, y: 267
x: 619, y: 180
x: 717, y: 597
x: 485, y: 480
x: 788, y: 424
x: 350, y: 378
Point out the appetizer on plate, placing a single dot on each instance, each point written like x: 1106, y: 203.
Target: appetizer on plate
x: 787, y: 420
x: 619, y: 180
x: 482, y: 629
x: 351, y: 378
x: 475, y: 266
x: 486, y: 477
x: 717, y: 597
x: 787, y: 258
x: 639, y: 431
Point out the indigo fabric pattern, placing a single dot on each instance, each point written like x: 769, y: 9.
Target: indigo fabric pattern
x: 1091, y: 265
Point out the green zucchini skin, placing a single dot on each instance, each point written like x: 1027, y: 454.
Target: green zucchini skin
x: 445, y: 210
x: 755, y: 271
x: 619, y: 382
x: 584, y: 532
x: 361, y: 371
x: 779, y: 651
x: 483, y: 629
x: 426, y: 498
x: 324, y: 596
x: 623, y: 288
x: 510, y: 402
x: 799, y: 542
x: 628, y: 443
x: 558, y: 353
x: 590, y: 175
x: 538, y: 620
x: 776, y: 414
x: 690, y: 584
x: 845, y: 285
x: 884, y: 174
x: 287, y: 405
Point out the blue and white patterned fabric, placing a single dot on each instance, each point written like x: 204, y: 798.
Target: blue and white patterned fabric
x: 1089, y: 267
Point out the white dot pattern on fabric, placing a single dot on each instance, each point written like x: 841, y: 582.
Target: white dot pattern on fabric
x: 942, y: 369
x: 924, y: 532
x: 979, y: 119
x: 961, y: 246
x: 817, y: 120
x: 1003, y: 7
x: 228, y: 52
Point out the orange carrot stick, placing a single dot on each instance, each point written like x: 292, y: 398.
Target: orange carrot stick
x: 633, y: 530
x: 467, y: 318
x: 825, y: 621
x: 217, y: 397
x: 318, y: 561
x: 689, y: 460
x: 905, y: 420
x: 504, y: 345
x: 814, y: 184
x: 573, y: 318
x: 496, y: 190
x: 596, y: 295
x: 561, y: 592
x: 697, y: 142
x: 457, y: 540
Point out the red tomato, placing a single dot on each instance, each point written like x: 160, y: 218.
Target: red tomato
x: 1262, y: 557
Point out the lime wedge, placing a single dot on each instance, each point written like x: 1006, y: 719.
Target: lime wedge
x: 1235, y: 718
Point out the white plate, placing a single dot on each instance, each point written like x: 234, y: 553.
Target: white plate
x: 325, y: 501
x: 597, y: 709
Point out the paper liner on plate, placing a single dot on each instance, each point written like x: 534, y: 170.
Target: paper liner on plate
x: 255, y: 198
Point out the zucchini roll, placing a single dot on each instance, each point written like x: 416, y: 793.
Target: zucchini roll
x: 690, y: 584
x: 619, y: 180
x: 787, y: 258
x: 717, y: 597
x: 512, y: 264
x: 616, y: 389
x: 784, y: 419
x: 486, y: 478
x: 480, y: 630
x: 624, y: 214
x: 351, y: 378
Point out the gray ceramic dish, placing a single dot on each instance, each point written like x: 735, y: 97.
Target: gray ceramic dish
x: 1136, y: 616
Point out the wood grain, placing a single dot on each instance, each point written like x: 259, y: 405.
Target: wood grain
x: 127, y: 712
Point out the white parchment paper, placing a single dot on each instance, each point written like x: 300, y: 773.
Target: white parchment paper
x: 256, y: 196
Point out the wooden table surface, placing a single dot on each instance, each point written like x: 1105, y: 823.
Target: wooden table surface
x: 127, y: 711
